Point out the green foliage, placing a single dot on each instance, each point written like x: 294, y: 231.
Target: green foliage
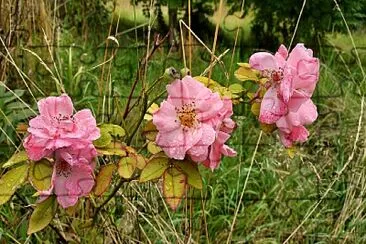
x: 86, y: 17
x: 103, y: 179
x: 40, y: 174
x: 42, y: 215
x: 17, y: 157
x: 12, y: 111
x: 174, y: 185
x: 11, y: 180
x: 275, y: 21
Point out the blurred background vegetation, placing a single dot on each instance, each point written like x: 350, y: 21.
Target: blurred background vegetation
x: 93, y: 48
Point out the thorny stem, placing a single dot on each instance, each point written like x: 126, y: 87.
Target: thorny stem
x: 141, y: 68
x: 144, y: 109
x: 113, y: 193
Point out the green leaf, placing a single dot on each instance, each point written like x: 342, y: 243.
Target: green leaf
x: 104, y: 178
x: 245, y: 73
x: 140, y: 161
x: 106, y: 133
x: 114, y: 130
x: 174, y: 185
x: 42, y: 215
x: 16, y: 158
x: 153, y: 148
x: 40, y: 174
x: 154, y: 168
x: 236, y: 88
x: 255, y: 108
x: 11, y: 180
x: 191, y: 170
x: 104, y: 140
x: 114, y: 148
x: 126, y: 167
x: 150, y: 131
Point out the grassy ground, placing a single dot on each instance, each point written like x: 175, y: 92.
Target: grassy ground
x: 326, y: 178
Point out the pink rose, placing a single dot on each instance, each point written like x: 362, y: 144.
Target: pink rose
x: 57, y: 127
x: 72, y: 175
x: 291, y: 82
x: 182, y: 119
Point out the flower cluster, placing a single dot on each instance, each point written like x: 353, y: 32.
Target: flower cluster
x: 291, y: 80
x: 67, y: 138
x: 193, y: 121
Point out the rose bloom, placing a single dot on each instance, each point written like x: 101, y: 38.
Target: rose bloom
x: 57, y: 127
x: 224, y: 126
x: 182, y: 120
x: 72, y: 175
x: 291, y: 82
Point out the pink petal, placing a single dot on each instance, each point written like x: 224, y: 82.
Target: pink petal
x: 307, y: 75
x: 36, y: 147
x: 263, y: 61
x: 285, y: 88
x: 297, y: 134
x: 282, y: 51
x: 186, y: 91
x: 272, y: 108
x: 306, y: 114
x: 177, y: 142
x: 209, y: 106
x: 200, y: 149
x: 165, y: 118
x: 87, y: 126
x: 54, y: 106
x: 228, y: 151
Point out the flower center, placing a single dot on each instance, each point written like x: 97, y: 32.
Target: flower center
x: 63, y: 168
x: 187, y: 115
x: 61, y: 117
x: 274, y: 76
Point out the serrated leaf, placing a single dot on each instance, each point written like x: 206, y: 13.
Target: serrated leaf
x: 154, y: 168
x: 103, y: 179
x: 255, y: 108
x: 174, y: 185
x: 126, y: 167
x: 114, y: 130
x: 11, y: 180
x: 17, y: 157
x: 236, y: 88
x: 40, y: 174
x: 150, y: 132
x: 191, y: 170
x: 42, y: 215
x: 153, y: 148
